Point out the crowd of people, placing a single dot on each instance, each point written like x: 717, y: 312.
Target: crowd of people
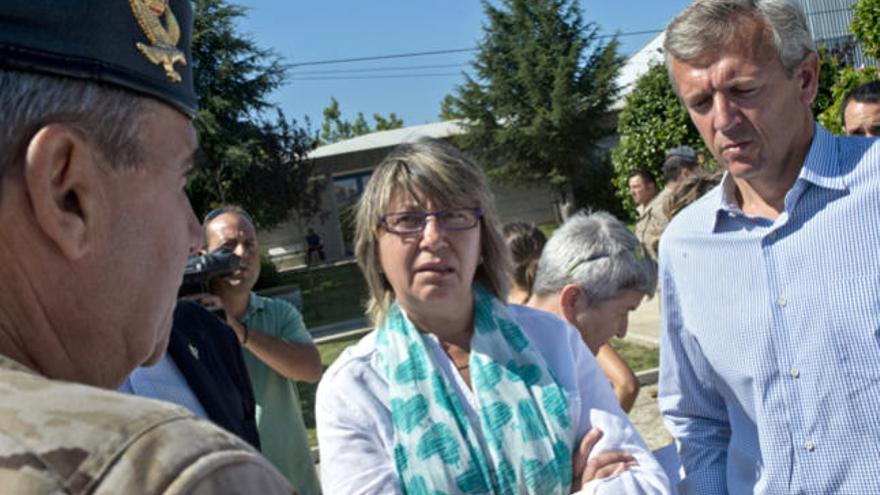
x: 488, y: 368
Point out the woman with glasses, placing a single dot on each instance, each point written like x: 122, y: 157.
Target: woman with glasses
x: 455, y: 392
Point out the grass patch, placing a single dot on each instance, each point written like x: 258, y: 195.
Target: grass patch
x: 330, y: 294
x: 639, y: 357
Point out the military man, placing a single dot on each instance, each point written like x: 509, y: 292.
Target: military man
x: 96, y: 141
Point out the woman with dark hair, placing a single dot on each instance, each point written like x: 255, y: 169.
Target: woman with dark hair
x: 454, y: 391
x: 525, y: 241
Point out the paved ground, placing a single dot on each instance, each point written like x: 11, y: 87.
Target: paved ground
x: 644, y: 323
x: 646, y: 418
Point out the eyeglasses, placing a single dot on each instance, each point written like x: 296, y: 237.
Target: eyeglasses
x: 413, y: 222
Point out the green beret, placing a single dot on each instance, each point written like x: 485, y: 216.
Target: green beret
x: 139, y: 45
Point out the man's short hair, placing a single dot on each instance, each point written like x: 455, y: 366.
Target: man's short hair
x: 221, y: 210
x: 107, y: 116
x: 677, y: 159
x: 866, y: 93
x: 598, y: 253
x: 645, y: 174
x: 709, y: 25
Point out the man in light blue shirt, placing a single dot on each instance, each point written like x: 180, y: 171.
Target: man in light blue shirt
x: 770, y: 354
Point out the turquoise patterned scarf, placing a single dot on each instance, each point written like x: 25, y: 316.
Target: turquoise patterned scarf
x: 524, y: 438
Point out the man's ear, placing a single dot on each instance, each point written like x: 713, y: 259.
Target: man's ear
x: 569, y: 297
x: 809, y: 77
x: 62, y: 183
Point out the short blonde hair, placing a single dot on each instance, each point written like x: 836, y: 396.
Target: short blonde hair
x: 427, y: 170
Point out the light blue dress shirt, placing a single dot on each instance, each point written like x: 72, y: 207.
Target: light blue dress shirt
x: 770, y: 354
x: 163, y: 381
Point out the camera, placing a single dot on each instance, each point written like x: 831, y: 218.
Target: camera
x: 201, y: 269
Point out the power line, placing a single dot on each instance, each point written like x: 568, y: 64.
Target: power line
x: 381, y: 57
x: 378, y: 69
x: 390, y: 76
x: 438, y: 52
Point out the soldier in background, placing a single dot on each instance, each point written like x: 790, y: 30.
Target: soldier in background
x: 679, y: 163
x: 96, y: 141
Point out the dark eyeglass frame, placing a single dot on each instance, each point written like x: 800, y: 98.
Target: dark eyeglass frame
x: 383, y: 220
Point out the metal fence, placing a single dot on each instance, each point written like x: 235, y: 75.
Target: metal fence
x: 829, y: 22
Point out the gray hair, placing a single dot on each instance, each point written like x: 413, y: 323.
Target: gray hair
x: 708, y: 25
x: 427, y: 170
x: 598, y: 253
x: 108, y: 117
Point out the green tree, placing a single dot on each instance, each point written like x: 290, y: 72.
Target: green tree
x: 392, y: 122
x: 652, y: 121
x: 846, y: 79
x: 829, y: 67
x: 246, y: 158
x: 866, y: 26
x: 540, y: 96
x: 840, y: 79
x: 335, y: 128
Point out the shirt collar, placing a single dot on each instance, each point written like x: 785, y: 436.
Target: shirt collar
x: 821, y: 168
x: 255, y: 304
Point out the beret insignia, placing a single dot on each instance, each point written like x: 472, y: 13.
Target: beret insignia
x: 162, y: 49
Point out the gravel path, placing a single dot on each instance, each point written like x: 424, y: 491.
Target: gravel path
x: 646, y: 418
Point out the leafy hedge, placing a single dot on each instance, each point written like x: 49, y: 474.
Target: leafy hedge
x: 652, y: 122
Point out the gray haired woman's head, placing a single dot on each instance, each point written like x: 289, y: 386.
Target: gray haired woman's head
x: 599, y: 254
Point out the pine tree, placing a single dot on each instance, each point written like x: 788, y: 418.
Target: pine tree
x: 539, y: 100
x: 335, y: 128
x: 251, y: 155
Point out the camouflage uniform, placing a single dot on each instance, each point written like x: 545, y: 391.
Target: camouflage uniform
x: 61, y: 437
x: 652, y: 222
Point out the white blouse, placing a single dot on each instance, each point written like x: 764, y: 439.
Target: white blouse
x: 355, y: 432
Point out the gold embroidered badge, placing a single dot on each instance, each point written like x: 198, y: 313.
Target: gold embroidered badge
x: 163, y: 38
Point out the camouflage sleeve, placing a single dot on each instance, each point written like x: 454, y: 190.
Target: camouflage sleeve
x: 654, y: 227
x: 191, y: 456
x: 229, y: 472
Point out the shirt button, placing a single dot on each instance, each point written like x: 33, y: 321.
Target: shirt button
x: 731, y: 214
x: 795, y: 372
x: 781, y: 302
x: 772, y: 235
x: 809, y: 445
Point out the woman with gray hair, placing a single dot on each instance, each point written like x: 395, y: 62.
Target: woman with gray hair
x: 455, y: 392
x: 592, y: 273
x: 526, y: 243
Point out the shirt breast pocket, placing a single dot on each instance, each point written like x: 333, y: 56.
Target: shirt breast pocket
x: 858, y: 346
x: 859, y: 352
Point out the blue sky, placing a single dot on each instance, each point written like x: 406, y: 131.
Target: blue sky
x: 303, y: 32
